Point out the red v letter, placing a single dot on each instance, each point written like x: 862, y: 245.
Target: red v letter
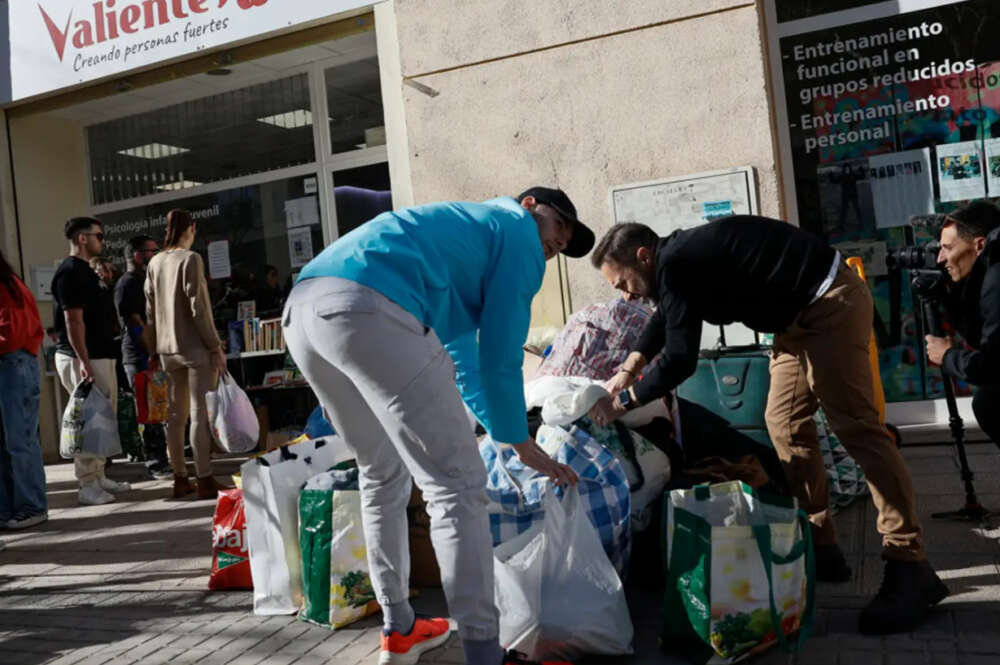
x: 58, y: 36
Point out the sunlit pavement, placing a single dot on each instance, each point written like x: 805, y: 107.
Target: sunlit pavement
x: 126, y: 583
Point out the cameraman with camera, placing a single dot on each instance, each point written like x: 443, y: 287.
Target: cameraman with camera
x: 969, y: 252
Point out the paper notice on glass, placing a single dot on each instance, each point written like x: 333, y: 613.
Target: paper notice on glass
x: 902, y: 186
x: 993, y: 166
x: 300, y: 246
x: 218, y: 260
x: 301, y: 212
x: 960, y: 171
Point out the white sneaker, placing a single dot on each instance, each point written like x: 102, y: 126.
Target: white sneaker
x: 114, y: 487
x: 93, y: 495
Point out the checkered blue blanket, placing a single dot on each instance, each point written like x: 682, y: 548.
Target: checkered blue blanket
x: 604, y: 490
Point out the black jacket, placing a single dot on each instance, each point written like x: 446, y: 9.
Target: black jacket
x: 974, y: 309
x: 758, y: 271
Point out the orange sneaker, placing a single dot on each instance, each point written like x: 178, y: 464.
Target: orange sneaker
x: 427, y: 634
x: 517, y: 658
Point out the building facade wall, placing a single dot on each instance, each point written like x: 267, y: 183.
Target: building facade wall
x: 50, y: 181
x: 589, y: 97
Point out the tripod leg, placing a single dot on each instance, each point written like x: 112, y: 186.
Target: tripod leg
x: 973, y: 510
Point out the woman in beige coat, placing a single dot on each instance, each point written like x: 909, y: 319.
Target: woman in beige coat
x: 181, y: 332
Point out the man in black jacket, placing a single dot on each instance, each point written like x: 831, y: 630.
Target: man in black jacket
x: 970, y: 252
x: 776, y: 278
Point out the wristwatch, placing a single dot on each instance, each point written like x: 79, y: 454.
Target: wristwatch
x: 625, y: 399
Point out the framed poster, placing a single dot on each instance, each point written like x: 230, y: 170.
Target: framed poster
x: 685, y: 201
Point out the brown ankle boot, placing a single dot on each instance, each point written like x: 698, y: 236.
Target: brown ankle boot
x: 182, y: 487
x: 209, y: 487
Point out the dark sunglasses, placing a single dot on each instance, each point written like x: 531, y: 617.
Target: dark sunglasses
x: 98, y: 234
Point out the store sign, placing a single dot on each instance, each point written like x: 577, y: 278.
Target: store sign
x: 60, y: 43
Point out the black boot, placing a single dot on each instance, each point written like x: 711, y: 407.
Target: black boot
x: 831, y: 566
x: 909, y: 589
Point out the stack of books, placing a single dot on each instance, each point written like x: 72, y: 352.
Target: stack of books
x: 262, y: 335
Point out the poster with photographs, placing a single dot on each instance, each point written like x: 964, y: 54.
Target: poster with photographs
x: 993, y: 166
x: 902, y: 186
x: 845, y: 194
x: 960, y: 171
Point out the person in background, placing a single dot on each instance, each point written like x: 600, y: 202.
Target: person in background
x: 180, y: 331
x: 86, y: 350
x: 22, y: 476
x: 105, y: 271
x: 969, y: 253
x: 130, y: 301
x: 383, y: 323
x: 270, y: 296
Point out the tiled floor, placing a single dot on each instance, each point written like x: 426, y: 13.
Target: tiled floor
x: 126, y: 583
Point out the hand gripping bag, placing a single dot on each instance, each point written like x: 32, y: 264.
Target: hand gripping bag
x: 231, y: 417
x: 230, y: 555
x: 89, y: 424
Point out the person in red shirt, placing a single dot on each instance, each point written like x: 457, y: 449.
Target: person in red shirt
x: 22, y: 476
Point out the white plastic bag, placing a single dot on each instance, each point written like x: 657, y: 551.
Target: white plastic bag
x: 231, y: 417
x: 557, y: 593
x: 271, y: 485
x: 89, y: 424
x: 565, y: 399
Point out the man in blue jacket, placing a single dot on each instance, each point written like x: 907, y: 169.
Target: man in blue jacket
x: 383, y: 324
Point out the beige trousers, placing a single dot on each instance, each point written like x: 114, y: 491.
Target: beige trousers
x: 822, y: 359
x: 190, y: 379
x: 89, y: 468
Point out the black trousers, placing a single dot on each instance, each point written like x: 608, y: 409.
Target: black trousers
x: 986, y: 406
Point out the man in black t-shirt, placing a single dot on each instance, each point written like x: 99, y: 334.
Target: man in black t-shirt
x: 85, y: 349
x: 130, y: 302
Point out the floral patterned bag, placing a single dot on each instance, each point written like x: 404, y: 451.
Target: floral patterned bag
x: 335, y: 582
x: 740, y: 573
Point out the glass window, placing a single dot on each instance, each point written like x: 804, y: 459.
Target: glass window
x: 275, y: 224
x: 251, y: 130
x: 354, y: 104
x: 890, y: 118
x: 360, y: 194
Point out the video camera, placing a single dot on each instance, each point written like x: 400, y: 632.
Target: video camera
x: 929, y: 279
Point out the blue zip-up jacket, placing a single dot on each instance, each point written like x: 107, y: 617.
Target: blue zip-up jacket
x: 460, y: 269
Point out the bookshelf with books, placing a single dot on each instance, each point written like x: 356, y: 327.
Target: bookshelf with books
x: 261, y: 365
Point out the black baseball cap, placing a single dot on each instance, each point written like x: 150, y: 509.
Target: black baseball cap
x: 583, y: 238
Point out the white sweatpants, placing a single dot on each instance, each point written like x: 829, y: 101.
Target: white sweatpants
x: 388, y: 386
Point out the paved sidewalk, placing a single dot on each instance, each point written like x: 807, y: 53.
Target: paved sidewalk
x: 126, y: 583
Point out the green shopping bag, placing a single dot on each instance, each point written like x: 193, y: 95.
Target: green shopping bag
x: 740, y: 573
x: 335, y: 583
x: 128, y: 426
